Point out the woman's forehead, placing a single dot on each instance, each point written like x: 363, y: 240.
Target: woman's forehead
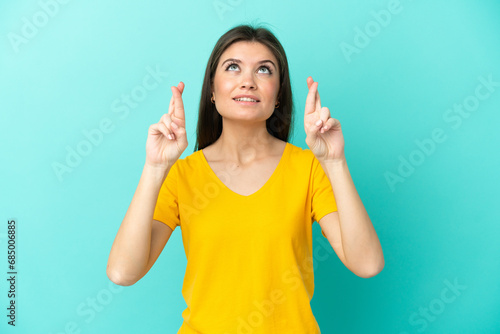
x: 248, y: 52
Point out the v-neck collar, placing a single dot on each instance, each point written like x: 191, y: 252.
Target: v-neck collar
x: 274, y: 175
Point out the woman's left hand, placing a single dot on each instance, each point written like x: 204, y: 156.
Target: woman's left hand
x: 323, y: 133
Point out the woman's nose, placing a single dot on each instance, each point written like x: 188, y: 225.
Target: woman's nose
x: 247, y: 80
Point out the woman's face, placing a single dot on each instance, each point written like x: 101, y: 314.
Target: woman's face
x: 246, y: 68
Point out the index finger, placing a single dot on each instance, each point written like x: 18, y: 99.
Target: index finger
x: 318, y: 100
x: 178, y: 104
x: 180, y: 86
x: 311, y: 98
x: 171, y: 105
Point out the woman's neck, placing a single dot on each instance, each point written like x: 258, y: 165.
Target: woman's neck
x: 244, y: 143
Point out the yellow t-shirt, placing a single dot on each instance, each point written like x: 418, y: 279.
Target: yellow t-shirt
x: 249, y: 258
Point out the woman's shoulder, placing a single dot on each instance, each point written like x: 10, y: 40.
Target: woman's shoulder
x: 301, y: 158
x: 190, y: 161
x: 299, y: 152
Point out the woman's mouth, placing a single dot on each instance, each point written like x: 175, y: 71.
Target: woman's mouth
x: 246, y: 101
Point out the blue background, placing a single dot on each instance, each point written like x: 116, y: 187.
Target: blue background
x: 438, y: 224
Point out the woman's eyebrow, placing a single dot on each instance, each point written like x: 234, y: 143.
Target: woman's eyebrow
x: 239, y: 61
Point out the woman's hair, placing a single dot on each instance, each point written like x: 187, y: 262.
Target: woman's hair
x: 209, y: 126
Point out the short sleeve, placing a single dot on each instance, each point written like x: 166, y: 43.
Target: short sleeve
x: 323, y: 199
x: 167, y: 204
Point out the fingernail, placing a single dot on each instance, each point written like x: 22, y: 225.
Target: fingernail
x: 318, y: 122
x: 174, y: 125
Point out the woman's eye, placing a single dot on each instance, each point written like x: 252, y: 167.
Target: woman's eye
x: 267, y: 69
x: 229, y: 68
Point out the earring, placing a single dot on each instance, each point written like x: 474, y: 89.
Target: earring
x: 212, y: 99
x: 277, y: 105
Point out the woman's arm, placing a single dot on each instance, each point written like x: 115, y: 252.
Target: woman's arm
x: 133, y: 251
x: 359, y: 247
x: 130, y: 253
x: 352, y: 233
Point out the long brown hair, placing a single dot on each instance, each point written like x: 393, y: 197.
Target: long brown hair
x: 280, y: 123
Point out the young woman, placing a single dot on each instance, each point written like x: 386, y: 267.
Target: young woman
x: 246, y: 199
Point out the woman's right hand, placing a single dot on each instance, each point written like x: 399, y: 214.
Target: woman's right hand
x: 161, y: 149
